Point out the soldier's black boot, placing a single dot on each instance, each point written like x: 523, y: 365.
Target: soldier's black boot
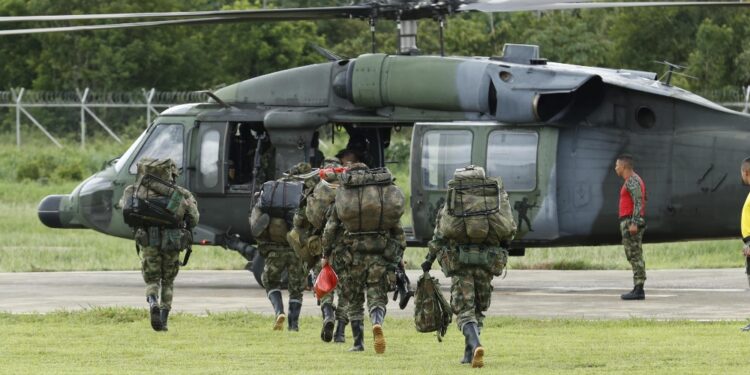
x: 636, y: 294
x: 295, y: 308
x: 471, y: 333
x: 377, y: 315
x: 746, y: 328
x: 358, y: 328
x: 326, y: 333
x: 153, y: 307
x: 467, y: 352
x: 340, y: 335
x: 278, y: 309
x: 164, y: 319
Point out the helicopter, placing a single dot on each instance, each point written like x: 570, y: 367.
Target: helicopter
x: 551, y: 131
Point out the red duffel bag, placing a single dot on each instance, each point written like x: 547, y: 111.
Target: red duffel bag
x: 326, y: 281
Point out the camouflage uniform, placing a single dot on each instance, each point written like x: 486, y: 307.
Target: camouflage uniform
x: 160, y: 262
x: 471, y: 283
x: 366, y: 273
x: 632, y: 242
x: 280, y: 257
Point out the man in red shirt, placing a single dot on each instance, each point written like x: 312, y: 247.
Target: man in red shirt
x: 632, y: 222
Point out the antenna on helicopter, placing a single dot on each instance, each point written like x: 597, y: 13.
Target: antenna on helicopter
x: 215, y: 98
x: 672, y: 69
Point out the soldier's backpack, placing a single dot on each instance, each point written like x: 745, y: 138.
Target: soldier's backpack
x: 319, y: 202
x: 368, y: 201
x: 477, y: 209
x: 432, y: 312
x: 153, y: 200
x: 281, y: 198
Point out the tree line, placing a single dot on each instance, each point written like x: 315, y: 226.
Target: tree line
x: 713, y: 44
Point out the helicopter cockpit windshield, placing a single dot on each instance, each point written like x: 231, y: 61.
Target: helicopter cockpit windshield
x: 165, y: 141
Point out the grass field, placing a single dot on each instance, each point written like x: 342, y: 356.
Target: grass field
x: 121, y: 341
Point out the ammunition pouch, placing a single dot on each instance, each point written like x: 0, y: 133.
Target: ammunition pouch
x: 368, y: 242
x: 493, y: 259
x: 175, y: 239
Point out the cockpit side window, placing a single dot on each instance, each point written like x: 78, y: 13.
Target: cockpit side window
x: 166, y: 141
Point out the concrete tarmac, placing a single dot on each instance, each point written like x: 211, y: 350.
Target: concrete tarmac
x: 670, y: 294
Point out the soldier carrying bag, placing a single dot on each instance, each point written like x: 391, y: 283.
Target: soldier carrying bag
x: 477, y: 209
x: 369, y: 205
x: 432, y: 312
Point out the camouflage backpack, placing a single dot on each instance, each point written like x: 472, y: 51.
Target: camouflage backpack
x: 477, y: 209
x: 432, y: 312
x: 368, y: 200
x: 154, y: 200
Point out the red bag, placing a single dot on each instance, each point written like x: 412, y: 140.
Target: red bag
x: 326, y: 281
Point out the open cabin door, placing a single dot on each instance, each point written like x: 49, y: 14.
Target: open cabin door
x: 513, y: 154
x: 221, y: 208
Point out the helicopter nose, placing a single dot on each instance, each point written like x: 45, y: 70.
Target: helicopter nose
x: 51, y: 215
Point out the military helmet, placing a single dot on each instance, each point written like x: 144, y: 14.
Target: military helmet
x: 300, y: 168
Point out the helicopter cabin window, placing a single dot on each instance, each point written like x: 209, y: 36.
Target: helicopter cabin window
x: 209, y: 159
x: 512, y: 157
x: 166, y: 141
x: 444, y: 151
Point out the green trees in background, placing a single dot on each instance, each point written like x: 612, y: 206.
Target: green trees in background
x: 715, y: 43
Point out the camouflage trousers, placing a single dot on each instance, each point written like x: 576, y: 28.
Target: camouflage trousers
x: 159, y: 269
x: 279, y: 259
x: 471, y: 292
x: 367, y: 275
x: 342, y: 307
x: 634, y: 252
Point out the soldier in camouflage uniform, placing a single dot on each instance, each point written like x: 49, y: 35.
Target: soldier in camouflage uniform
x: 366, y: 273
x: 632, y: 222
x: 471, y: 284
x: 279, y: 257
x: 339, y: 256
x: 160, y: 247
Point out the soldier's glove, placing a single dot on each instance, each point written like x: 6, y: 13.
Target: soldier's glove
x: 426, y: 266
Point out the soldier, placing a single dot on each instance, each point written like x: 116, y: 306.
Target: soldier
x: 338, y: 255
x: 366, y: 215
x: 745, y: 223
x: 632, y: 222
x: 269, y: 226
x: 471, y: 259
x: 160, y: 244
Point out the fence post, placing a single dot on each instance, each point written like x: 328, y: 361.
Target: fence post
x: 747, y: 99
x: 149, y: 98
x: 18, y: 96
x: 83, y: 116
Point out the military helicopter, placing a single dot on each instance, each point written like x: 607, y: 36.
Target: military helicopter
x: 550, y: 130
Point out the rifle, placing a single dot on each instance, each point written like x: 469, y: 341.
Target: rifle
x: 256, y: 165
x: 403, y: 287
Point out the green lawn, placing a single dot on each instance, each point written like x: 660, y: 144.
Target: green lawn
x: 121, y: 341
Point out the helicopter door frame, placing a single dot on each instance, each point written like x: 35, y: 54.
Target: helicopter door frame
x: 210, y: 153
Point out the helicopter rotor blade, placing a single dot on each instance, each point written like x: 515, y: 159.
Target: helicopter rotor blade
x: 498, y: 6
x: 290, y: 14
x: 254, y: 14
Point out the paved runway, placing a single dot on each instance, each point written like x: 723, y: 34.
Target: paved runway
x: 670, y: 294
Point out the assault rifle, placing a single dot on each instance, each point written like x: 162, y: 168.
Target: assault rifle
x: 403, y: 287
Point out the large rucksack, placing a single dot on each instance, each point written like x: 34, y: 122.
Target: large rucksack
x: 477, y: 209
x: 154, y: 200
x: 368, y: 201
x: 273, y: 214
x: 319, y: 203
x: 432, y: 312
x: 281, y: 198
